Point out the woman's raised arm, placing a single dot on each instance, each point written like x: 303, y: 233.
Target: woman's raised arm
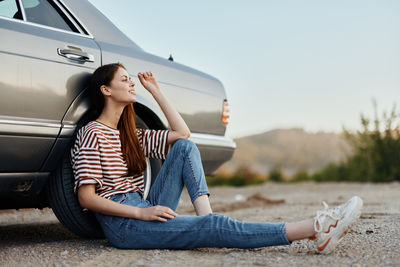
x: 179, y: 129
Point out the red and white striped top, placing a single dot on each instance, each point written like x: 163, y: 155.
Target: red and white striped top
x: 97, y: 158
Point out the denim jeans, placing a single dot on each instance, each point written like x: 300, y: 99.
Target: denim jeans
x: 183, y: 167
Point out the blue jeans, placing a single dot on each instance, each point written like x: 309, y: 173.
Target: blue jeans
x: 183, y: 167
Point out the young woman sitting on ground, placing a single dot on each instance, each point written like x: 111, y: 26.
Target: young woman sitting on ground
x: 108, y: 159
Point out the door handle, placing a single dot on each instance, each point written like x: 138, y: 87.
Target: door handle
x: 77, y: 55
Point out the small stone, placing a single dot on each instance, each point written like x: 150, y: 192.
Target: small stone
x: 64, y: 253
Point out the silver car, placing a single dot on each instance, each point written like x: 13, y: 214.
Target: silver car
x: 48, y: 50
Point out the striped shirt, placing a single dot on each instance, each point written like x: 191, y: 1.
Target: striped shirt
x: 96, y: 158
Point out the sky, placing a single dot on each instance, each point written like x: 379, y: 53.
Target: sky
x: 311, y: 64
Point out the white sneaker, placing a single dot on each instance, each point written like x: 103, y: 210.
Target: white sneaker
x: 332, y: 224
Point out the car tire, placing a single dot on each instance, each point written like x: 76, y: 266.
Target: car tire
x: 153, y: 165
x: 64, y: 202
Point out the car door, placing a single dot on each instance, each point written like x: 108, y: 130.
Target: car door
x: 46, y: 57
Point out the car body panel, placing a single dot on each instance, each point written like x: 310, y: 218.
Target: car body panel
x: 180, y: 85
x: 44, y: 97
x: 179, y: 82
x: 37, y: 87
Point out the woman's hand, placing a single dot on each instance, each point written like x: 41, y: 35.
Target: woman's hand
x: 156, y: 213
x: 149, y: 82
x: 179, y: 129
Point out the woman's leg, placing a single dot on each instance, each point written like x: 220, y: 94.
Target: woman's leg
x: 202, y: 205
x: 185, y: 232
x: 216, y: 230
x: 300, y: 230
x: 182, y: 167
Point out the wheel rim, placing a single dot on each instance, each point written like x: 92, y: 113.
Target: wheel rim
x: 147, y: 179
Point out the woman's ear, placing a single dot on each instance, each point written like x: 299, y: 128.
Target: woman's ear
x: 105, y: 90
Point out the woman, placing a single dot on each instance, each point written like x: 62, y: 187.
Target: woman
x: 108, y: 161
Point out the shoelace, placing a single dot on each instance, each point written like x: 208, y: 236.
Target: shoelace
x: 333, y: 213
x: 326, y: 212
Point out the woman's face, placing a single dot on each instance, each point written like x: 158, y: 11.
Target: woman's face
x: 121, y: 87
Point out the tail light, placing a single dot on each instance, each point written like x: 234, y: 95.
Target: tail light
x: 225, y: 113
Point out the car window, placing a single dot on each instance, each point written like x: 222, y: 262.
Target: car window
x: 46, y: 13
x: 9, y: 9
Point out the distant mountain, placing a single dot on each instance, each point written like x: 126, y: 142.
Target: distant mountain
x: 290, y: 149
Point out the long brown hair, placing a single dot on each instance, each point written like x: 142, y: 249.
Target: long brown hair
x: 130, y: 146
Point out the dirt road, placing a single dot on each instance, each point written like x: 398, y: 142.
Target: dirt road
x: 35, y: 238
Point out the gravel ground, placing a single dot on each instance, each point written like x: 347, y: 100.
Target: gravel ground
x: 35, y: 238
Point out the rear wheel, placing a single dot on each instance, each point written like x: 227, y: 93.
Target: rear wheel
x: 64, y: 201
x: 153, y: 165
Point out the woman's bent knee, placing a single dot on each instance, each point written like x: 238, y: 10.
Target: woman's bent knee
x: 184, y: 144
x: 184, y: 141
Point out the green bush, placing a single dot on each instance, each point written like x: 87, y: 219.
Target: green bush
x: 241, y: 177
x: 376, y: 156
x: 301, y: 176
x: 276, y: 175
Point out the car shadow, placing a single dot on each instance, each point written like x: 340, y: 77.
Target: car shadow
x: 38, y: 233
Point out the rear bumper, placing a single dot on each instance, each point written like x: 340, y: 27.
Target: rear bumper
x: 214, y: 149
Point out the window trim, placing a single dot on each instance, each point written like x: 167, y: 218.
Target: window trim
x: 74, y: 17
x: 64, y: 16
x: 21, y: 7
x: 83, y: 32
x: 46, y: 27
